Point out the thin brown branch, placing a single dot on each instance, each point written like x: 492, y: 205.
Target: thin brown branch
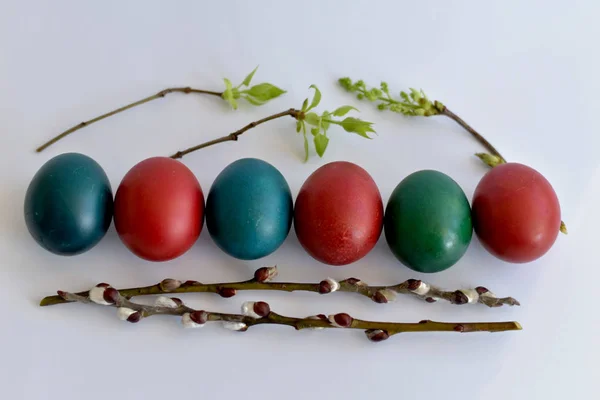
x: 158, y: 95
x: 489, y: 147
x: 258, y: 313
x: 262, y: 281
x: 297, y: 114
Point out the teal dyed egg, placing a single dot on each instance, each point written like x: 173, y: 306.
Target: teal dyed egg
x: 69, y: 204
x: 249, y: 209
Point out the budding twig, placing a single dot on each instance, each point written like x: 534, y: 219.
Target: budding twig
x: 262, y: 281
x: 297, y: 114
x: 158, y: 95
x: 257, y: 313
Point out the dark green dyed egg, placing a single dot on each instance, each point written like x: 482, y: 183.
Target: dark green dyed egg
x: 249, y: 209
x: 428, y: 221
x: 69, y: 204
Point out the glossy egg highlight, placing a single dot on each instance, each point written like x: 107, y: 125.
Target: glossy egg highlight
x: 338, y: 213
x: 428, y: 223
x: 69, y: 204
x: 249, y: 209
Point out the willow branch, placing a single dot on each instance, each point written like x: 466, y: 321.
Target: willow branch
x: 297, y: 114
x: 262, y: 281
x: 259, y: 313
x: 158, y: 95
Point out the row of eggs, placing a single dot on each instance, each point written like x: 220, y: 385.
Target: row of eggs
x: 159, y: 211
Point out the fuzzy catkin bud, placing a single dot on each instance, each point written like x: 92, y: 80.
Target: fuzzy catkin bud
x: 163, y: 301
x: 413, y: 284
x: 471, y: 294
x: 421, y: 289
x: 177, y: 301
x: 111, y: 295
x: 378, y: 297
x: 235, y: 326
x: 199, y: 317
x: 261, y: 308
x: 167, y: 285
x: 256, y: 310
x: 135, y: 317
x: 97, y: 295
x: 124, y: 313
x: 328, y: 285
x: 481, y: 290
x: 376, y: 335
x: 484, y: 292
x: 341, y: 320
x: 459, y: 298
x: 265, y: 274
x: 189, y: 322
x: 388, y: 294
x: 226, y: 292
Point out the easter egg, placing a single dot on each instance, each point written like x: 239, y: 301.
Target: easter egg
x: 338, y: 214
x: 69, y: 204
x: 516, y: 213
x: 249, y: 209
x: 159, y: 209
x: 428, y: 223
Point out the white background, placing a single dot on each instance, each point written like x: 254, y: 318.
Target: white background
x: 524, y: 73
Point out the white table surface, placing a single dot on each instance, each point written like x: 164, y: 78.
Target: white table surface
x: 524, y: 73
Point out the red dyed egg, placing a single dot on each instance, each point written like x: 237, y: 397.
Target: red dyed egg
x: 516, y: 213
x: 338, y: 215
x: 159, y: 209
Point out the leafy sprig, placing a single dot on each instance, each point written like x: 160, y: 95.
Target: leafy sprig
x: 256, y: 95
x: 320, y: 123
x: 412, y: 103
